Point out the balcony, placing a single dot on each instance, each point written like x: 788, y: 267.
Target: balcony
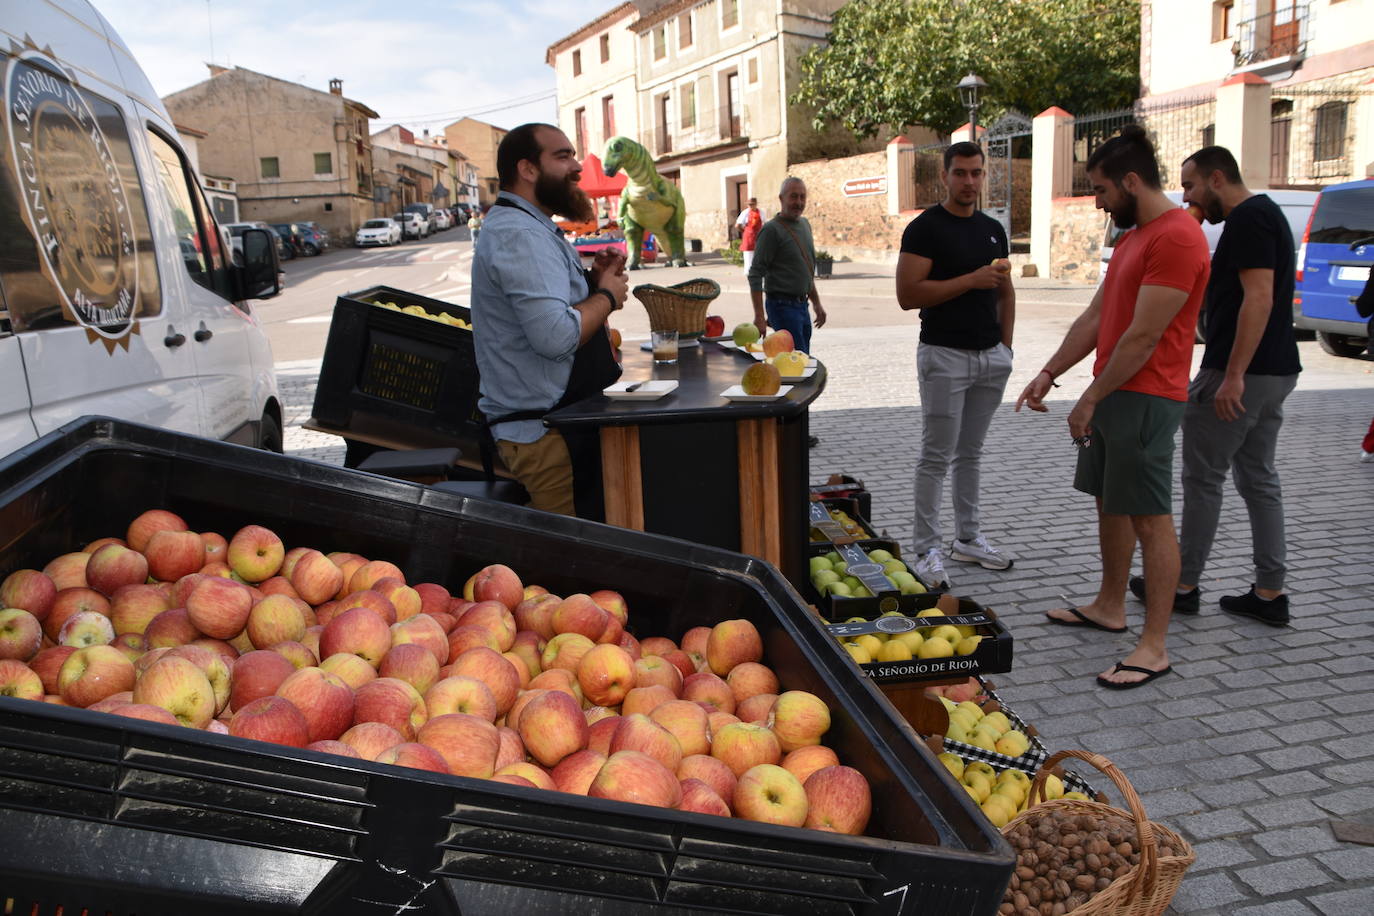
x: 709, y: 129
x: 1274, y: 41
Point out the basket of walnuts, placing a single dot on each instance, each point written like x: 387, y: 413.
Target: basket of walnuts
x: 1089, y: 858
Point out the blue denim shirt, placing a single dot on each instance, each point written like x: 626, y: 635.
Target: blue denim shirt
x: 525, y: 279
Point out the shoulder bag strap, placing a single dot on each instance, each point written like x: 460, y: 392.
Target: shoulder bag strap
x: 810, y: 268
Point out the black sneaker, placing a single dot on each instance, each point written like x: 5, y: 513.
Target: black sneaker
x: 1273, y: 611
x: 1186, y: 603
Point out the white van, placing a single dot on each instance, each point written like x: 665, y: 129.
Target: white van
x: 118, y: 293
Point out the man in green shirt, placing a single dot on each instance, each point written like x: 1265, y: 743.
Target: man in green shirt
x: 781, y: 277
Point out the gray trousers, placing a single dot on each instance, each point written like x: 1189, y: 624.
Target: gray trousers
x: 1245, y: 447
x: 960, y: 390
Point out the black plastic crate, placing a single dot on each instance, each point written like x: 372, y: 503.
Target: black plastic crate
x: 849, y: 505
x: 845, y: 485
x: 994, y: 652
x: 398, y: 367
x: 124, y: 816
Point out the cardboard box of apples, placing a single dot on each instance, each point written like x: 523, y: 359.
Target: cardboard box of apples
x: 266, y: 627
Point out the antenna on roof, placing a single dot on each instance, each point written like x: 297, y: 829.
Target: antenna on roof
x: 210, y: 23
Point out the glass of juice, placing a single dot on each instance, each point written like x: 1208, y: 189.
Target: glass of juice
x: 665, y: 346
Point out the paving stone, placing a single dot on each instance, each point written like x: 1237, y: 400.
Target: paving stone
x: 1234, y: 720
x: 1347, y: 802
x: 1199, y: 892
x: 1360, y: 772
x: 1303, y: 672
x: 1230, y: 793
x: 1353, y: 864
x: 1277, y: 908
x: 1232, y: 766
x: 1286, y: 812
x: 1218, y: 854
x: 1296, y: 841
x: 1353, y: 902
x: 1250, y: 677
x: 1294, y: 783
x: 1351, y: 748
x: 1212, y: 824
x: 1243, y: 742
x: 1289, y: 758
x: 1282, y: 877
x: 1348, y: 665
x: 1351, y: 702
x: 1307, y: 731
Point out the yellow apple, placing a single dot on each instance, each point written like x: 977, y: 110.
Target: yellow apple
x: 935, y: 647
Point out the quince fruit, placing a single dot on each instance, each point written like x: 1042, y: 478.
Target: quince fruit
x: 761, y: 379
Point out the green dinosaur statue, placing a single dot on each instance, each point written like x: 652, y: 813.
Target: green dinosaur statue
x: 649, y: 203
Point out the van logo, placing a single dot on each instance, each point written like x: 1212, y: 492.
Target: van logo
x: 73, y: 195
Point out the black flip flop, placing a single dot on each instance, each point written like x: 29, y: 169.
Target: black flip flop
x: 1083, y: 621
x: 1150, y: 675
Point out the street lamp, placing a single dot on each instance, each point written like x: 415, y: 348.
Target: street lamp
x: 970, y: 91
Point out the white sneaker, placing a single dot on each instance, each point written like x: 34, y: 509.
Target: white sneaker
x: 1366, y: 456
x: 981, y: 552
x: 930, y: 568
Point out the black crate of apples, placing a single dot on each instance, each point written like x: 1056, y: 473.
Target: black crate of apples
x: 234, y: 682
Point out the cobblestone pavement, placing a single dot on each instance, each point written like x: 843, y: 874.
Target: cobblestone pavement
x: 1262, y: 736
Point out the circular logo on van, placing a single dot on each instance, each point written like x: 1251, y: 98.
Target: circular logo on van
x: 73, y: 194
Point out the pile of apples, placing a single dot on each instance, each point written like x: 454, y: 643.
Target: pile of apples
x: 338, y: 653
x: 1001, y: 796
x: 420, y: 311
x: 830, y: 575
x: 990, y: 731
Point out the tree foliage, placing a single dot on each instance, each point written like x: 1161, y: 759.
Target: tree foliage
x: 894, y: 63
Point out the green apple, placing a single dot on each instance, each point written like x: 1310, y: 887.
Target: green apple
x: 745, y: 334
x: 862, y: 591
x: 879, y: 555
x: 853, y: 583
x: 908, y: 584
x: 833, y: 557
x: 818, y: 563
x: 838, y: 589
x: 840, y: 566
x: 892, y: 567
x: 820, y: 578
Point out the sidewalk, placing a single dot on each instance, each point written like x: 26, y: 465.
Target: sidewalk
x: 1261, y: 736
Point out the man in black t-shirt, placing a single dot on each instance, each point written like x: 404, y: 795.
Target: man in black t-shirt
x: 1235, y: 402
x: 953, y: 269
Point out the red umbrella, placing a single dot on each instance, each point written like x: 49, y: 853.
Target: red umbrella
x: 594, y: 181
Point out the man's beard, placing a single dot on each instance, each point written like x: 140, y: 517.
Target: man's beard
x: 1212, y: 210
x: 1124, y: 215
x: 564, y: 198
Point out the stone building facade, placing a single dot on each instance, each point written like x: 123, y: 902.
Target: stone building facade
x: 478, y: 141
x: 294, y: 153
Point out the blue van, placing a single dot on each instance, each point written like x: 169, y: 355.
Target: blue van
x: 1333, y: 267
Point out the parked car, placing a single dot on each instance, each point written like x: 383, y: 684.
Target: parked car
x: 414, y: 225
x: 1334, y: 261
x: 442, y: 220
x: 236, y: 236
x: 295, y: 246
x: 380, y: 231
x: 158, y: 330
x: 314, y: 240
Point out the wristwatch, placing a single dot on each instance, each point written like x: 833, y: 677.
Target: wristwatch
x: 609, y: 295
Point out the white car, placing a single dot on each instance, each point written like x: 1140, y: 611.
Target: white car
x: 442, y: 220
x: 378, y: 232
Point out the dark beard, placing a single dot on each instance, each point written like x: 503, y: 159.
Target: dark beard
x: 1212, y: 210
x: 1125, y: 215
x: 564, y: 198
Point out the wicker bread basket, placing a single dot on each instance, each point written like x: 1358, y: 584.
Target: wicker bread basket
x: 1149, y: 886
x: 680, y: 307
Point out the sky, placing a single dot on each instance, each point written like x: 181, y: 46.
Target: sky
x: 420, y: 63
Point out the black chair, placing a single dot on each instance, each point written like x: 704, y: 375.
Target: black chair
x: 439, y: 468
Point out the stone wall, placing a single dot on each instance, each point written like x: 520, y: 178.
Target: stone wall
x: 1076, y: 232
x: 857, y: 228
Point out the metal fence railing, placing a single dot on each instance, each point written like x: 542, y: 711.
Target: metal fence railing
x: 1177, y: 127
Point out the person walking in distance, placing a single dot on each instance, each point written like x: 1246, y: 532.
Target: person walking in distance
x: 953, y: 270
x: 475, y: 225
x: 1235, y: 402
x: 1141, y: 322
x: 781, y: 277
x: 749, y: 222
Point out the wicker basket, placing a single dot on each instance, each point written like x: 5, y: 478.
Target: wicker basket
x: 680, y: 307
x: 1148, y: 887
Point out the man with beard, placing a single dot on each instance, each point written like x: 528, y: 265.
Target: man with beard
x: 1235, y: 403
x: 1141, y: 324
x: 953, y: 270
x: 539, y: 320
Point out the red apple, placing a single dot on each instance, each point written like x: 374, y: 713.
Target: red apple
x: 68, y: 570
x: 413, y: 664
x: 403, y: 598
x: 750, y: 679
x: 731, y: 643
x: 331, y: 746
x: 537, y: 775
x: 113, y: 566
x: 98, y: 543
x: 520, y: 667
x: 219, y: 607
x: 180, y: 687
x: 271, y: 718
x: 656, y: 645
x: 358, y: 631
x: 422, y: 630
x: 171, y: 628
x: 29, y: 590
x: 489, y: 667
x: 94, y: 673
x: 600, y: 733
x: 651, y: 669
x: 173, y: 554
x: 349, y: 668
x: 637, y: 732
x: 274, y: 619
x: 711, y: 771
x: 112, y: 702
x: 838, y: 799
x: 370, y: 739
x: 681, y: 661
x: 19, y: 680
x: 536, y: 614
x: 21, y: 635
x: 348, y: 565
x: 558, y: 679
x: 694, y: 640
x: 798, y: 719
x: 496, y: 583
x: 606, y: 673
x: 804, y: 761
x: 216, y: 546
x: 493, y: 616
x: 255, y: 553
x: 644, y: 700
x: 392, y: 702
x: 575, y: 772
x: 414, y: 755
x: 612, y: 603
x: 215, y: 668
x: 510, y: 749
x: 433, y: 597
x: 145, y: 711
x: 719, y: 719
x: 279, y: 585
x: 257, y: 674
x: 552, y: 727
x: 461, y: 694
x: 709, y: 690
x: 769, y: 794
x: 699, y: 797
x: 142, y: 528
x: 133, y: 607
x: 315, y: 577
x: 630, y: 776
x: 756, y: 708
x: 47, y: 663
x: 148, y: 658
x: 372, y: 571
x: 687, y: 722
x: 299, y: 654
x: 715, y: 326
x: 579, y: 614
x: 744, y: 745
x: 468, y: 744
x: 324, y: 700
x: 85, y: 629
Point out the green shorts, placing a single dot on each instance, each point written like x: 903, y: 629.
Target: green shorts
x: 1129, y: 463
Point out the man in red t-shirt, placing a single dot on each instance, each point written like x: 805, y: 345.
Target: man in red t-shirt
x: 1141, y: 324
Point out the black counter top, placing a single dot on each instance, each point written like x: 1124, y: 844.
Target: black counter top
x: 702, y: 372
